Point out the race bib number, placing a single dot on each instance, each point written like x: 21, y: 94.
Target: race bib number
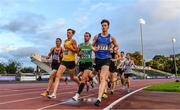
x: 65, y: 52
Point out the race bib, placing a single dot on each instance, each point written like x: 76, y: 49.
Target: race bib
x: 65, y: 52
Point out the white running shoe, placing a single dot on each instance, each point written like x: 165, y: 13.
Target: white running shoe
x: 76, y: 97
x: 95, y: 80
x: 51, y: 96
x: 128, y: 90
x: 123, y: 87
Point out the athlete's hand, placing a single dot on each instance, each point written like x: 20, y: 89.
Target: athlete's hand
x: 95, y: 49
x: 47, y: 57
x: 80, y: 53
x: 111, y: 49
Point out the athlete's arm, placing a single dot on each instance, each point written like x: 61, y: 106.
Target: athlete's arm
x: 50, y: 53
x: 73, y: 47
x: 115, y: 59
x: 93, y: 46
x: 113, y: 41
x: 79, y: 50
x: 61, y: 55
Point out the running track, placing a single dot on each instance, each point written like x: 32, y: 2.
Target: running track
x: 27, y: 96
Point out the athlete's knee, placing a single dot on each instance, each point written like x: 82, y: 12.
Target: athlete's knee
x: 52, y: 76
x: 73, y: 78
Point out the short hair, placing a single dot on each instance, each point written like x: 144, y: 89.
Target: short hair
x: 122, y: 52
x: 59, y: 39
x: 105, y: 21
x: 88, y: 33
x: 73, y: 31
x: 128, y: 54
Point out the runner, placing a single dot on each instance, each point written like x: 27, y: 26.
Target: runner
x: 113, y: 69
x: 128, y: 70
x: 56, y: 53
x: 120, y: 68
x: 68, y: 61
x: 102, y: 46
x: 85, y: 63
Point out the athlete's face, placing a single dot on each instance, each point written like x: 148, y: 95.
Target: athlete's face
x: 58, y: 42
x: 86, y: 37
x: 69, y: 34
x: 122, y: 54
x: 115, y: 50
x: 127, y: 56
x: 105, y: 27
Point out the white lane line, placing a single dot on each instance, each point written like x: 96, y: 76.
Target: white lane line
x: 24, y: 89
x: 20, y: 100
x: 8, y: 95
x: 63, y: 102
x: 122, y: 98
x: 71, y: 100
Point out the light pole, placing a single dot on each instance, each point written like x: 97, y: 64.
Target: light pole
x: 142, y: 22
x: 175, y: 67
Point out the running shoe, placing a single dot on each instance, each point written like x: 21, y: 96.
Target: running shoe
x: 76, y: 97
x: 66, y: 80
x: 51, y: 96
x: 109, y: 84
x: 97, y: 103
x: 87, y: 88
x: 45, y: 94
x: 92, y: 84
x: 112, y: 92
x: 105, y: 96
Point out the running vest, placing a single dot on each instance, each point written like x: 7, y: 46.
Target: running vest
x: 86, y: 53
x: 128, y: 64
x: 56, y: 55
x: 68, y: 55
x: 103, y: 45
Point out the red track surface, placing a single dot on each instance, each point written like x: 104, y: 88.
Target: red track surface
x: 27, y: 96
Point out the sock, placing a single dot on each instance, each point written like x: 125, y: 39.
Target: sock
x: 99, y: 99
x: 81, y: 87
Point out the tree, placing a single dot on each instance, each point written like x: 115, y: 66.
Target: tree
x: 27, y: 70
x: 2, y: 68
x: 137, y: 57
x: 12, y: 66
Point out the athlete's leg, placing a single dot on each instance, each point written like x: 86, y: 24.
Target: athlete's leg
x: 50, y: 83
x: 72, y: 76
x: 59, y: 73
x: 51, y: 80
x: 122, y: 79
x: 113, y: 80
x: 82, y: 84
x: 103, y: 80
x: 128, y: 83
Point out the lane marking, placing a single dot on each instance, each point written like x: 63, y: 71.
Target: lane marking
x: 122, y: 98
x: 27, y: 93
x: 64, y: 102
x: 20, y: 100
x: 71, y: 100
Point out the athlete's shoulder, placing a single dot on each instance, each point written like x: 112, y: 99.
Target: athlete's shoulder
x: 81, y: 44
x: 112, y: 37
x: 52, y: 48
x: 95, y: 37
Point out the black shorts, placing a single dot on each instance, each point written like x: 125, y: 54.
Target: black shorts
x: 120, y: 71
x: 128, y: 75
x: 112, y: 68
x: 68, y: 64
x: 55, y: 66
x: 84, y: 66
x: 102, y: 62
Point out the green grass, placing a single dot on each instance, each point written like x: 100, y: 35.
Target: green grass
x: 167, y: 87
